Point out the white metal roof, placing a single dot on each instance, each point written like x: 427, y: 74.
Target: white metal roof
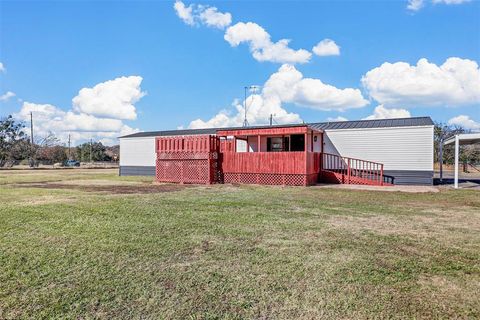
x: 464, y: 138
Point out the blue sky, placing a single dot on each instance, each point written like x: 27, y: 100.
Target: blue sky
x: 175, y: 72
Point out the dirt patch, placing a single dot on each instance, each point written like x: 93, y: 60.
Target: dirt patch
x: 113, y: 189
x: 98, y: 182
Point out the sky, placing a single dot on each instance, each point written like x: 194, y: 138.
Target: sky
x: 103, y: 69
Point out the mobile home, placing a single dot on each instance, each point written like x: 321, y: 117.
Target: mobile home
x: 388, y: 151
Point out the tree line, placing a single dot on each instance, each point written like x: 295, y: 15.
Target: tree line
x: 17, y: 146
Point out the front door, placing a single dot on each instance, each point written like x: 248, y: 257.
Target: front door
x: 297, y: 142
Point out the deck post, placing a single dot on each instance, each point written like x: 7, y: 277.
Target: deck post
x: 259, y: 141
x: 348, y: 171
x: 381, y: 174
x: 306, y: 159
x: 209, y: 161
x: 306, y: 142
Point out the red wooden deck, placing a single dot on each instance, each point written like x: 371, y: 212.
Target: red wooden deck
x: 214, y: 159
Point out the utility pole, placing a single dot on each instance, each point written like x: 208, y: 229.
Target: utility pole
x: 90, y: 150
x: 31, y: 126
x: 69, y: 157
x: 32, y: 147
x: 271, y: 119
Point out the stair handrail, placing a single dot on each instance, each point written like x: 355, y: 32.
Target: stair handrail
x: 350, y: 167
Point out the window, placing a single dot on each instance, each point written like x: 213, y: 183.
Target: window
x: 278, y: 144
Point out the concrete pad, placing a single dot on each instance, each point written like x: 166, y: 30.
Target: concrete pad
x: 410, y: 189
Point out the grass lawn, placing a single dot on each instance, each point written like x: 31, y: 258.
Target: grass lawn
x: 89, y: 244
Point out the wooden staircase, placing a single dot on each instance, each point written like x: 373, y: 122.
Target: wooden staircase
x: 345, y: 170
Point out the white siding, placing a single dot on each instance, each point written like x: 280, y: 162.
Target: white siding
x: 137, y: 151
x: 317, y: 145
x: 399, y: 148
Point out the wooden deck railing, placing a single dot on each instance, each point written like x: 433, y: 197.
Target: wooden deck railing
x: 200, y: 143
x: 351, y: 170
x: 264, y: 162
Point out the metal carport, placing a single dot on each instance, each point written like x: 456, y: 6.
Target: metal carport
x: 461, y: 139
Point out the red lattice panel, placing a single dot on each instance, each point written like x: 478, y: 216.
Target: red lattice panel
x: 186, y: 167
x: 268, y: 179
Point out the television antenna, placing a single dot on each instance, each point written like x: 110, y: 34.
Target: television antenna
x: 252, y: 89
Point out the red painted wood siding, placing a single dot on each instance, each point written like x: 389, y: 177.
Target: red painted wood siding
x: 313, y: 162
x: 227, y: 145
x: 270, y: 162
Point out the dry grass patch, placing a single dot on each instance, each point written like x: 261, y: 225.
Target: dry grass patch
x: 449, y: 226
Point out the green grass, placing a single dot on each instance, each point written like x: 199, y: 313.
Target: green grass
x: 234, y: 252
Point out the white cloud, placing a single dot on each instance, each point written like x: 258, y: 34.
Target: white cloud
x: 7, y: 95
x: 415, y: 5
x: 259, y: 109
x: 111, y: 99
x: 2, y: 67
x: 465, y: 122
x: 326, y: 47
x: 213, y: 18
x: 261, y: 45
x: 97, y: 113
x: 337, y: 119
x: 259, y: 41
x: 200, y: 14
x: 185, y: 13
x: 455, y: 83
x: 48, y: 118
x: 290, y: 86
x: 380, y: 112
x: 287, y: 85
